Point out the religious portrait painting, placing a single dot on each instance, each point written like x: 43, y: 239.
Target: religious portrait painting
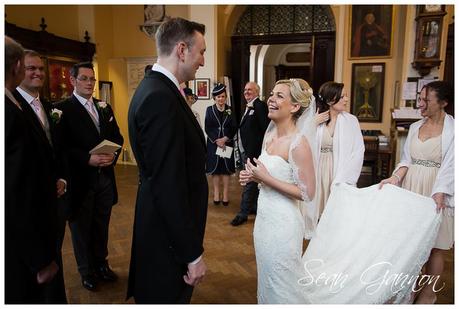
x: 371, y: 29
x: 202, y: 88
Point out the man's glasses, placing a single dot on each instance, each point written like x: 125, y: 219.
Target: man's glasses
x: 84, y: 78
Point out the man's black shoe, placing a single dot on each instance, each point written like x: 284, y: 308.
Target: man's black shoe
x: 106, y: 274
x: 238, y: 220
x: 89, y: 283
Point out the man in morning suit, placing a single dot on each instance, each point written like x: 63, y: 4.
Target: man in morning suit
x: 30, y: 233
x: 38, y: 114
x: 169, y: 146
x: 251, y: 131
x: 85, y: 122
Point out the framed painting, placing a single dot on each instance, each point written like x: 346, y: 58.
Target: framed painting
x: 367, y: 92
x: 371, y: 29
x: 57, y: 85
x: 202, y: 88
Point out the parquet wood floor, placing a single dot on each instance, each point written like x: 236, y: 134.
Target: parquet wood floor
x: 231, y: 276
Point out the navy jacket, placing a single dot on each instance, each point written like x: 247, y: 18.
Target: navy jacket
x: 217, y: 127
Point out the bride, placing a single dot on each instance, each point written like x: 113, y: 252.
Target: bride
x: 370, y: 244
x: 286, y: 174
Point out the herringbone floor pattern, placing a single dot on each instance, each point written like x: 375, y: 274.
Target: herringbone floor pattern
x: 231, y: 276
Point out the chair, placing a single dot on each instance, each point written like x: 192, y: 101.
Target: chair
x: 371, y: 156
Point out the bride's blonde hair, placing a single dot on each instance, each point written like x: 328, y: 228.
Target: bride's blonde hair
x: 300, y: 92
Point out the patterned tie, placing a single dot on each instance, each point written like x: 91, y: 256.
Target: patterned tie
x: 41, y: 114
x: 39, y: 111
x: 182, y: 92
x: 91, y: 109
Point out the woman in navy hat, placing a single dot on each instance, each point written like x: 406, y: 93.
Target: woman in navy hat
x: 220, y: 127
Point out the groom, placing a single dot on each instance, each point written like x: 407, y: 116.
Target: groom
x: 169, y: 146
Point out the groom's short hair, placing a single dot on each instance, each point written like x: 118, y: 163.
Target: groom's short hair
x: 13, y: 53
x: 175, y: 30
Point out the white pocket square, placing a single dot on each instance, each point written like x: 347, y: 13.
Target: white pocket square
x: 251, y: 112
x: 111, y: 119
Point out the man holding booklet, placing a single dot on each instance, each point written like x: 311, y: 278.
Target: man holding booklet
x: 91, y: 140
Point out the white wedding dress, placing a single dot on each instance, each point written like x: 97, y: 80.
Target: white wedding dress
x: 278, y: 238
x: 366, y: 239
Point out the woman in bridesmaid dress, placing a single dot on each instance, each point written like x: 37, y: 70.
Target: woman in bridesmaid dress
x: 340, y: 141
x: 427, y: 168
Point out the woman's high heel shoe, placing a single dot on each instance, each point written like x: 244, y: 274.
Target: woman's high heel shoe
x: 216, y: 203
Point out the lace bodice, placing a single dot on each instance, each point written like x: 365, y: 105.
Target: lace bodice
x: 277, y: 167
x: 278, y: 237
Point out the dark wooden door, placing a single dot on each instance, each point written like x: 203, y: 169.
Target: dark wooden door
x: 322, y: 63
x: 449, y: 64
x: 286, y: 71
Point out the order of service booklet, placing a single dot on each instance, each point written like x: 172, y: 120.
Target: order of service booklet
x: 105, y: 147
x: 224, y: 153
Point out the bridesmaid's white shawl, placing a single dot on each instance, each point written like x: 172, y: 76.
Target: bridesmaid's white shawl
x: 445, y: 177
x: 348, y: 148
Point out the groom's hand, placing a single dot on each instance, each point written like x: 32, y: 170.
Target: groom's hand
x: 195, y: 273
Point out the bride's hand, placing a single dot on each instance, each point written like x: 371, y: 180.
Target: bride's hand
x: 259, y: 172
x: 245, y: 177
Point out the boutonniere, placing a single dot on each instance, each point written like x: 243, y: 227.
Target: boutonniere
x: 228, y: 112
x: 56, y: 115
x: 103, y: 107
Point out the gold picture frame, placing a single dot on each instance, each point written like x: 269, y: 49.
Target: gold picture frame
x: 370, y: 31
x: 367, y: 91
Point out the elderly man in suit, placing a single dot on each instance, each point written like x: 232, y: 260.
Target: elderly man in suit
x: 169, y: 146
x: 251, y: 131
x: 30, y: 217
x: 38, y: 114
x: 85, y: 122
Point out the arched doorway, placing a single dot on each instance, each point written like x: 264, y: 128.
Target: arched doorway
x: 275, y: 25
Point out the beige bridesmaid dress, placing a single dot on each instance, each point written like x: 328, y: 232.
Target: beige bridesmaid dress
x: 325, y: 168
x: 420, y: 178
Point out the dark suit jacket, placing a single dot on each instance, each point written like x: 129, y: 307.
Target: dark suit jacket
x: 30, y: 218
x: 171, y: 206
x: 56, y: 166
x: 252, y: 128
x: 217, y: 128
x: 77, y: 135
